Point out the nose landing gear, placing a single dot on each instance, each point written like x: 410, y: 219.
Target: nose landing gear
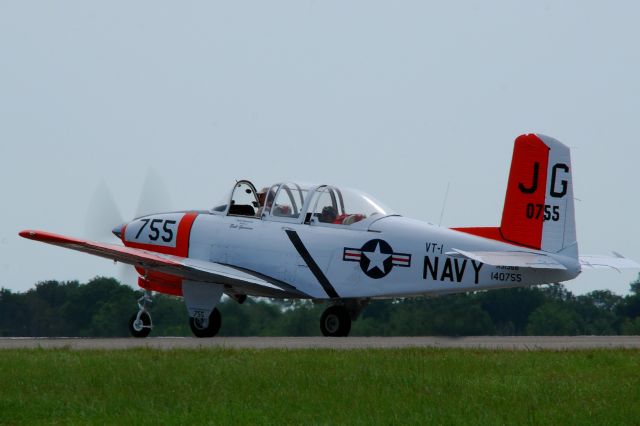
x: 140, y: 324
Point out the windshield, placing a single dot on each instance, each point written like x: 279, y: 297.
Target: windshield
x: 244, y: 201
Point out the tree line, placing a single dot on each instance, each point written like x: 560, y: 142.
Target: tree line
x: 102, y: 308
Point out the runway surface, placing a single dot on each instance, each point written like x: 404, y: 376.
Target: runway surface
x: 340, y: 343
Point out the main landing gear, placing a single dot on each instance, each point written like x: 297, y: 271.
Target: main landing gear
x: 336, y: 320
x: 140, y: 323
x: 202, y: 326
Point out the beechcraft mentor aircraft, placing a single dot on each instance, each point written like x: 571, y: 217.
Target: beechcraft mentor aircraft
x: 339, y: 245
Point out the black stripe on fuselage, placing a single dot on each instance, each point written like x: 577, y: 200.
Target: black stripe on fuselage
x: 313, y: 266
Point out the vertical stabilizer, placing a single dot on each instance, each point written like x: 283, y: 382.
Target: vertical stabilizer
x: 538, y: 210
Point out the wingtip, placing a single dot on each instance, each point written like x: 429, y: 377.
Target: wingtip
x: 27, y: 234
x: 44, y: 236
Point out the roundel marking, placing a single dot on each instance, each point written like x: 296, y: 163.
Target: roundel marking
x: 376, y: 258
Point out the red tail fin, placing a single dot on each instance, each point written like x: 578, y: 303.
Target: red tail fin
x: 527, y: 185
x: 538, y: 210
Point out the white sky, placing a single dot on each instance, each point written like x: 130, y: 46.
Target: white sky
x: 395, y: 98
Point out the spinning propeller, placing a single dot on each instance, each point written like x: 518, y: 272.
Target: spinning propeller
x: 104, y: 219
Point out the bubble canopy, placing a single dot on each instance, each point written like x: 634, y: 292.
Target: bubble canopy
x: 324, y: 205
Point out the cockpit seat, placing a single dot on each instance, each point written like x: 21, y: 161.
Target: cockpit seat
x: 282, y: 211
x: 242, y: 210
x: 352, y: 218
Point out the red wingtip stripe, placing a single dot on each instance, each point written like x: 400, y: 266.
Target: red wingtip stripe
x: 99, y: 249
x: 49, y: 237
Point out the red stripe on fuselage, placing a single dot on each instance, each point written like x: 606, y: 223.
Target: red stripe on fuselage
x: 157, y: 281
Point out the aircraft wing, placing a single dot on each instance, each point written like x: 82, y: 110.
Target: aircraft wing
x: 245, y: 281
x: 617, y: 262
x: 520, y: 259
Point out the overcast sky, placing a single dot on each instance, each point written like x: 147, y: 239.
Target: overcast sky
x: 396, y: 98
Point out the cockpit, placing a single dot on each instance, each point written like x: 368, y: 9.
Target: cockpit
x: 311, y: 204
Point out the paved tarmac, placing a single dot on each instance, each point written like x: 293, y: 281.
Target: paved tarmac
x: 340, y: 343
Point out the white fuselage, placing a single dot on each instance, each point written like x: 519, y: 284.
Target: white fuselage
x: 415, y: 262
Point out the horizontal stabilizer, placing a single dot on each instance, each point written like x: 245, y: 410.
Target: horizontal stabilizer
x: 617, y: 262
x: 519, y: 259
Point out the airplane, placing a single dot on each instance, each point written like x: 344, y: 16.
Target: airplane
x: 338, y: 245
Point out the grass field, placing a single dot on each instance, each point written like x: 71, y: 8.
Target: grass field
x: 223, y: 386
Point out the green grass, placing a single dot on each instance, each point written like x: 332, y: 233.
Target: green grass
x: 417, y: 386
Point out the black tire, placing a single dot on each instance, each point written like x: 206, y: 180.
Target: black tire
x: 136, y: 330
x: 335, y: 322
x: 215, y: 321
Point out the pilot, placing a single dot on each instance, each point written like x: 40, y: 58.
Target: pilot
x: 262, y: 195
x: 328, y: 214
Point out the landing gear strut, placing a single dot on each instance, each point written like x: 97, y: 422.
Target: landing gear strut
x: 140, y: 323
x: 201, y: 326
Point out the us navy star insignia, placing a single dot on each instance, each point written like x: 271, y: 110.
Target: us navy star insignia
x: 376, y: 258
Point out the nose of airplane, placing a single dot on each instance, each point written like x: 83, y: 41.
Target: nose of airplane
x: 117, y: 231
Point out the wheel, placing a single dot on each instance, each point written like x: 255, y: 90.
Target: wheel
x: 206, y: 330
x: 335, y: 322
x: 140, y: 327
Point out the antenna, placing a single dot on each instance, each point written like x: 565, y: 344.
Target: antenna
x: 444, y: 203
